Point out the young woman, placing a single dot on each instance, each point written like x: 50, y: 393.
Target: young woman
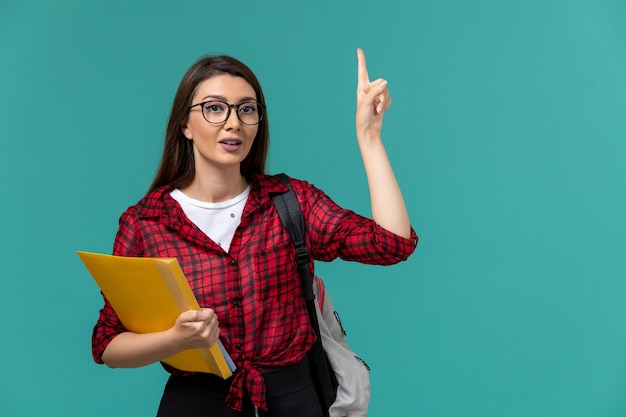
x: 210, y: 207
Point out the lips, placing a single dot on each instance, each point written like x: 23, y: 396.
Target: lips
x: 231, y: 141
x: 231, y: 144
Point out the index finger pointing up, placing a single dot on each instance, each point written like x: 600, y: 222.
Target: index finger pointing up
x: 363, y: 77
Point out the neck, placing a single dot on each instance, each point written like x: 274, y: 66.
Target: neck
x: 216, y: 188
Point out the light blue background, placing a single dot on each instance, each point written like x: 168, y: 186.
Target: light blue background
x: 507, y: 133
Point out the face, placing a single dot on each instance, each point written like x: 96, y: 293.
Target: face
x: 225, y: 145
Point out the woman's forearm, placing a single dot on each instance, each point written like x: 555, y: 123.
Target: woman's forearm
x: 193, y: 329
x: 388, y: 207
x: 132, y: 350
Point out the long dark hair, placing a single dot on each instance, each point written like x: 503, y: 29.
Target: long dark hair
x: 177, y: 166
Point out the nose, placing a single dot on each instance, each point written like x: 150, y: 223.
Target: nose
x: 232, y: 120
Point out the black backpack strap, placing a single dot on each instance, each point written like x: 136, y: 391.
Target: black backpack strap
x: 291, y: 216
x: 290, y: 213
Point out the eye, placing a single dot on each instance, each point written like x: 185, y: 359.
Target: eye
x: 247, y: 108
x: 214, y: 106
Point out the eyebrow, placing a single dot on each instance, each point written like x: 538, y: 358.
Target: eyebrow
x: 222, y: 98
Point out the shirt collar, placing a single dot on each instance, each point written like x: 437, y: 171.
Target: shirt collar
x: 159, y: 200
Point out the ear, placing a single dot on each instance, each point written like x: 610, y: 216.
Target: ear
x: 186, y: 131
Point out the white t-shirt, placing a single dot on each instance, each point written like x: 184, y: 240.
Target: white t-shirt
x: 217, y: 220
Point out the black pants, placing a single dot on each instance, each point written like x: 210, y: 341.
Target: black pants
x: 290, y: 393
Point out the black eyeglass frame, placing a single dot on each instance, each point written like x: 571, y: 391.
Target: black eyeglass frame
x: 230, y: 107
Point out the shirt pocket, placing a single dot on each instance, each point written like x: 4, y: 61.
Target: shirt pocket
x: 275, y: 273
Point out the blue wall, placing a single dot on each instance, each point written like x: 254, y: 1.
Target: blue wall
x: 507, y: 132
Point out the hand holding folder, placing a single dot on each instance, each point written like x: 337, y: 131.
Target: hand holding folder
x: 148, y: 294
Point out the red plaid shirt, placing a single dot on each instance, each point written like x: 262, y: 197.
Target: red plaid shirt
x: 254, y: 288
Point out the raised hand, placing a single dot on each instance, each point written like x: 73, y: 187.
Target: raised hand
x: 372, y: 100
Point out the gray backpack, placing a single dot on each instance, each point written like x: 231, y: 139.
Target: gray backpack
x: 353, y: 389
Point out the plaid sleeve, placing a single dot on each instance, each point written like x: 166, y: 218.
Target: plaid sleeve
x: 109, y: 325
x: 335, y: 232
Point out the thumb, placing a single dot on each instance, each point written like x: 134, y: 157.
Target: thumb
x: 193, y: 315
x: 377, y: 99
x: 376, y: 89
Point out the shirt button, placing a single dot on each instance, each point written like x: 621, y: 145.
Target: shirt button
x: 236, y: 304
x: 238, y: 346
x: 233, y: 262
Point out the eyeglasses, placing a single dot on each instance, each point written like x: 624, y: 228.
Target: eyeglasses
x: 216, y: 111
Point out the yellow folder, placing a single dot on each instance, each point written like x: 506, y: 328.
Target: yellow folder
x: 148, y: 294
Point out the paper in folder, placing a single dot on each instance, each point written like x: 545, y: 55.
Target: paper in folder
x: 148, y: 294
